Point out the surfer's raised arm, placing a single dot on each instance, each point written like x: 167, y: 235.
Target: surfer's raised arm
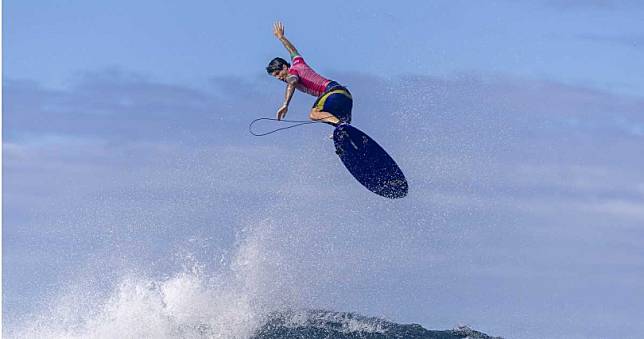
x: 278, y: 30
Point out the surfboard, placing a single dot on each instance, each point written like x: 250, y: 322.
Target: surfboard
x: 369, y: 163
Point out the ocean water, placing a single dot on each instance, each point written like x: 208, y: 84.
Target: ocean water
x: 253, y: 294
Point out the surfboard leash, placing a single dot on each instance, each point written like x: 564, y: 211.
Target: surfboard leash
x: 296, y: 122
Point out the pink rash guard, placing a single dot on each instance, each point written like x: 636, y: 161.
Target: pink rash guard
x: 308, y: 81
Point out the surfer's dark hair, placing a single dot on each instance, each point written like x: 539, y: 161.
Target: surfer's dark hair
x: 276, y: 65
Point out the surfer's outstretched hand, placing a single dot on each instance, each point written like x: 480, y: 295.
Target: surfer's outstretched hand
x: 278, y: 29
x: 281, y: 113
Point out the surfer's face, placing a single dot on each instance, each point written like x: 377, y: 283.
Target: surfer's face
x: 281, y: 75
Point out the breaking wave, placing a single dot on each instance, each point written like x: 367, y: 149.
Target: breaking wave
x: 259, y: 293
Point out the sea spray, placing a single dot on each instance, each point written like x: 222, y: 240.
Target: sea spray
x: 191, y: 303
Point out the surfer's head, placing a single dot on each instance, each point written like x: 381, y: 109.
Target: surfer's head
x: 278, y: 68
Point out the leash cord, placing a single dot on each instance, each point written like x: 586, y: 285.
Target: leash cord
x: 296, y: 122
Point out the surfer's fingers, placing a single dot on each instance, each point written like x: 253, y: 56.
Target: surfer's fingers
x: 275, y: 28
x: 278, y: 29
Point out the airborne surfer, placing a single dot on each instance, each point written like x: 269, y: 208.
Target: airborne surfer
x: 362, y: 156
x: 334, y: 101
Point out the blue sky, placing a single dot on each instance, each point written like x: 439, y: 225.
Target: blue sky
x: 127, y: 164
x: 178, y: 42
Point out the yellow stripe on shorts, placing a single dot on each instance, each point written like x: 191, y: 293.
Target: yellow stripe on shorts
x: 322, y: 100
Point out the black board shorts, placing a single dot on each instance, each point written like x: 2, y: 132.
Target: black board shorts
x: 336, y: 100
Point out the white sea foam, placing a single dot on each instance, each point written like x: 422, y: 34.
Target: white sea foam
x: 232, y: 303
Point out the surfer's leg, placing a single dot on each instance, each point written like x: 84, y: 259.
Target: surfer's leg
x: 319, y: 115
x: 333, y: 107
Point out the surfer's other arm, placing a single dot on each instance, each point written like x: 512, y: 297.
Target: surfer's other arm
x: 278, y: 30
x: 290, y: 89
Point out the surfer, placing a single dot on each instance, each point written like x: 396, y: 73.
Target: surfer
x: 334, y: 101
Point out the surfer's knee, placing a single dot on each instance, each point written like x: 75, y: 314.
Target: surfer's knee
x: 315, y: 114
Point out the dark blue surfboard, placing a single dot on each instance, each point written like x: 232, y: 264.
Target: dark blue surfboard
x: 369, y: 163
